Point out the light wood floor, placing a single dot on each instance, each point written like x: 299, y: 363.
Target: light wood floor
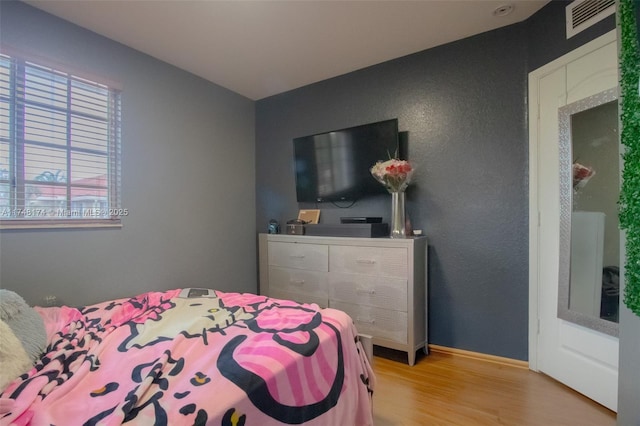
x: 443, y: 389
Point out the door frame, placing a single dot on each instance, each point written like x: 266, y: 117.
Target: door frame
x: 534, y: 212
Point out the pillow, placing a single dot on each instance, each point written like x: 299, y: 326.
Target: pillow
x: 27, y: 325
x: 13, y: 357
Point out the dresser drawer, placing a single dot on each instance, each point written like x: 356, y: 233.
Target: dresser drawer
x: 383, y: 292
x: 320, y: 301
x: 298, y: 281
x: 378, y: 322
x: 389, y: 262
x: 312, y: 257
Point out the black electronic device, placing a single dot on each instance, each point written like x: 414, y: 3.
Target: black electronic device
x: 363, y: 230
x: 335, y: 166
x: 361, y: 219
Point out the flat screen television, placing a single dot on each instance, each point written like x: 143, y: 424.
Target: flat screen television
x: 334, y: 166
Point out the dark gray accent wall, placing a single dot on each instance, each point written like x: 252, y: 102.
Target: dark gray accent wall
x: 188, y: 180
x: 463, y: 106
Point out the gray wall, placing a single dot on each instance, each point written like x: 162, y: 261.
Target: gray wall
x: 629, y: 376
x: 462, y: 106
x: 187, y: 180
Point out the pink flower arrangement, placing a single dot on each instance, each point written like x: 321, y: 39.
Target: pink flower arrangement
x: 394, y: 174
x: 581, y: 175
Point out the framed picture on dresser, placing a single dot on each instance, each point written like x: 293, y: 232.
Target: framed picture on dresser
x: 310, y: 216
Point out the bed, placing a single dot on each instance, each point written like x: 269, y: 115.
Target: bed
x: 215, y: 358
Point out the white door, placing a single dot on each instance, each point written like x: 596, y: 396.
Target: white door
x: 581, y: 358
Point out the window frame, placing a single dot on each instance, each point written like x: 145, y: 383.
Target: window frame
x: 17, y: 143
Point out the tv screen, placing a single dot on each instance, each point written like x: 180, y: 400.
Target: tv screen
x: 334, y: 166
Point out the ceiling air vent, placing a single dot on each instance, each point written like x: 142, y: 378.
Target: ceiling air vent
x: 581, y: 14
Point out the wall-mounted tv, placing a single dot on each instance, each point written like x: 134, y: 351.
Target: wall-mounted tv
x: 334, y: 166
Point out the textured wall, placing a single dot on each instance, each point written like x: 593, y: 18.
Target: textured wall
x: 191, y: 207
x: 463, y: 108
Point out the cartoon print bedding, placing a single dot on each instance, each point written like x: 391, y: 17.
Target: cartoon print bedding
x: 158, y: 359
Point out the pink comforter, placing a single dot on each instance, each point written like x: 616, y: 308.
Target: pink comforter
x: 157, y: 359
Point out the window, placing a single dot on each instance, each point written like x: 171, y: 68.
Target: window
x: 59, y: 147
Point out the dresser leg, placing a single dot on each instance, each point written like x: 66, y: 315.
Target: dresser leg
x: 412, y: 357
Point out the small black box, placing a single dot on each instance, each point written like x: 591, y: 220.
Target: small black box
x: 361, y: 219
x: 365, y: 230
x: 295, y: 229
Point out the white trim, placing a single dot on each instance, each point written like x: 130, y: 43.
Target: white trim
x: 534, y: 222
x: 534, y: 219
x: 46, y: 60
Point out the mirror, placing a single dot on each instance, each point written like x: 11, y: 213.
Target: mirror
x: 589, y: 275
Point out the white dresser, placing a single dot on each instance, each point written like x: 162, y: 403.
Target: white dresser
x: 380, y: 282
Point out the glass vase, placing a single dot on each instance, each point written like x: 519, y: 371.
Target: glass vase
x: 397, y: 215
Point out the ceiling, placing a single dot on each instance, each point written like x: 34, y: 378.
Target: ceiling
x: 262, y: 48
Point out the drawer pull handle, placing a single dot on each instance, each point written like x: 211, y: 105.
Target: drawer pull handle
x: 366, y: 321
x: 366, y: 261
x: 297, y: 256
x: 370, y: 292
x: 297, y: 282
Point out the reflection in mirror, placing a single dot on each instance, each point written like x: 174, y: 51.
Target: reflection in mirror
x: 595, y: 235
x: 589, y: 280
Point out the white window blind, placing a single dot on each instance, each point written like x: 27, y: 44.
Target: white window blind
x: 59, y: 147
